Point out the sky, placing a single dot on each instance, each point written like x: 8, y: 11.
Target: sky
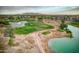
x: 71, y: 10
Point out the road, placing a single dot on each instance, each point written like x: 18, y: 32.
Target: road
x: 38, y: 41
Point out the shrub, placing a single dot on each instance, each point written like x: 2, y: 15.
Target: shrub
x: 2, y: 45
x: 10, y: 43
x: 4, y: 22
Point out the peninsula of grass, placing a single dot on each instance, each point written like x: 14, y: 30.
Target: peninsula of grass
x: 32, y: 26
x: 45, y: 33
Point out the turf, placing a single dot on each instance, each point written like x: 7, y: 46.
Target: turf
x: 75, y: 24
x: 32, y: 26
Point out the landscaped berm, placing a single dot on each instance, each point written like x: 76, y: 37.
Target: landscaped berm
x: 39, y: 32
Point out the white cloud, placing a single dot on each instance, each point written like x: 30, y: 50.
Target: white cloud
x: 39, y: 9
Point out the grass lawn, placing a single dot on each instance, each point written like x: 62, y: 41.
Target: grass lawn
x: 32, y: 26
x: 45, y: 33
x: 61, y: 30
x: 75, y: 24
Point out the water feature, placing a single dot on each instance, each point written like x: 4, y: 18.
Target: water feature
x: 18, y: 24
x: 67, y: 45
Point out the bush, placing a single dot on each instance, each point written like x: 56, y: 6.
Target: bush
x: 2, y: 45
x: 4, y: 22
x: 69, y: 32
x: 10, y: 42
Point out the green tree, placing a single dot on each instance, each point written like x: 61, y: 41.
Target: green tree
x: 63, y: 26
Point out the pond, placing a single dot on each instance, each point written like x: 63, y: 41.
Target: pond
x: 66, y: 45
x: 18, y: 24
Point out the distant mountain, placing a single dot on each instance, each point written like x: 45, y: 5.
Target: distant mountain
x: 24, y: 14
x: 31, y: 14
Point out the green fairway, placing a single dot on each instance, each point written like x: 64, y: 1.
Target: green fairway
x: 75, y: 24
x: 32, y: 26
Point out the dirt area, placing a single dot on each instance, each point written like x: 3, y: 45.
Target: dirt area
x: 36, y: 42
